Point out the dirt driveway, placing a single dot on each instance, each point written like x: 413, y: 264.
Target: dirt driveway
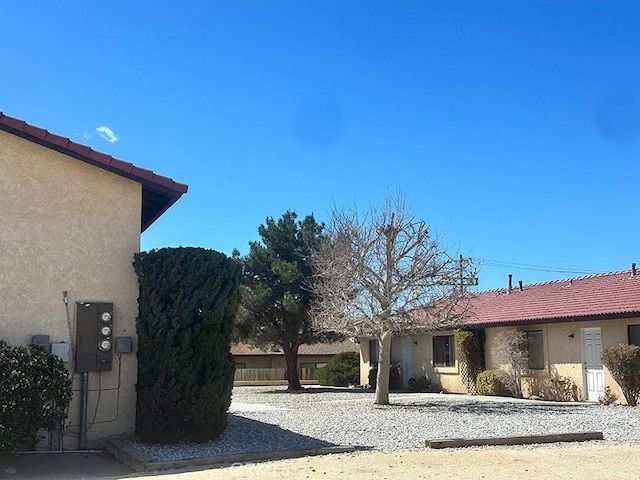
x: 585, y: 461
x: 592, y: 460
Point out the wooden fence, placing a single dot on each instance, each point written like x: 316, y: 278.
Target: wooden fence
x: 270, y: 374
x: 259, y: 374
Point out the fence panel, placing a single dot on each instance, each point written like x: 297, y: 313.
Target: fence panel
x: 259, y: 374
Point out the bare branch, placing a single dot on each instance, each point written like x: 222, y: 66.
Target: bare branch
x: 385, y: 274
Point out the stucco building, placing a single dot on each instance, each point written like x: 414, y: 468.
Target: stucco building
x: 567, y: 324
x: 71, y: 222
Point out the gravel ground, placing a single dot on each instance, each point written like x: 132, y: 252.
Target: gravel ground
x: 269, y: 419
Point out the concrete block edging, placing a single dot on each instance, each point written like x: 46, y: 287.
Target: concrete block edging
x: 140, y: 463
x: 524, y: 440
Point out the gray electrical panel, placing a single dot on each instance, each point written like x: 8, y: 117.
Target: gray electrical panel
x: 61, y: 350
x: 94, y: 344
x: 123, y: 345
x: 42, y: 340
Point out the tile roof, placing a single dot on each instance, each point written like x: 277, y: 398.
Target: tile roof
x: 158, y: 192
x: 594, y: 296
x: 315, y: 349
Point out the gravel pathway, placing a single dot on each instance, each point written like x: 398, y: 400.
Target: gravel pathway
x: 269, y: 419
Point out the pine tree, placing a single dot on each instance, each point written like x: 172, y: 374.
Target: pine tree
x: 276, y: 296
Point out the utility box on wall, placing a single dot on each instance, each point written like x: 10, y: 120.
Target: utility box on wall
x: 94, y: 331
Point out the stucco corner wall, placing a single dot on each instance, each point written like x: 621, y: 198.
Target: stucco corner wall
x: 70, y: 227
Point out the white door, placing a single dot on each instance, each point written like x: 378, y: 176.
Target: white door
x: 592, y: 363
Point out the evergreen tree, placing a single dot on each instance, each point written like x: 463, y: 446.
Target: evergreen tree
x: 276, y: 296
x: 188, y: 300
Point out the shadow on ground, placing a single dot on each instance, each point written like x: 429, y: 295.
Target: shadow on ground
x: 314, y: 390
x: 57, y: 466
x: 242, y: 436
x: 491, y: 408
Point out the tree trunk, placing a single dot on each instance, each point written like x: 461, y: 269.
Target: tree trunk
x: 291, y: 357
x: 384, y: 364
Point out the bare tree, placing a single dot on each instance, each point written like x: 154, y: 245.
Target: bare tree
x: 385, y: 274
x: 512, y: 354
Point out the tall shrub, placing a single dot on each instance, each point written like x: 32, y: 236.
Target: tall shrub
x: 623, y: 361
x: 188, y: 300
x: 342, y: 370
x: 35, y: 391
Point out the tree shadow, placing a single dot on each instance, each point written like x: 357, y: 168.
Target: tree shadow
x: 505, y: 408
x: 553, y: 386
x: 242, y: 435
x: 314, y: 390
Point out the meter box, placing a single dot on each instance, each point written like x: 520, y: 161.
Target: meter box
x: 61, y: 350
x: 94, y: 334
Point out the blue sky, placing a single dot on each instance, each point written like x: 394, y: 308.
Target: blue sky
x: 512, y: 127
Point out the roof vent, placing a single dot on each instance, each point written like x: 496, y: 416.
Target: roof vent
x: 510, y: 283
x: 520, y: 285
x: 633, y: 269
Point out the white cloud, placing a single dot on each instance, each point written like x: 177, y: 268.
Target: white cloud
x: 86, y: 135
x: 107, y: 134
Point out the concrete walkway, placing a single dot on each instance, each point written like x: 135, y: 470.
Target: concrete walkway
x: 61, y: 466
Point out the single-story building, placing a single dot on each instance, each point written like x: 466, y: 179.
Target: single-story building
x: 71, y: 222
x: 255, y: 366
x: 567, y: 324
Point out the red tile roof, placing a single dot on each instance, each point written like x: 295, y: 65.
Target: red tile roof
x: 315, y: 349
x: 158, y: 192
x: 594, y: 296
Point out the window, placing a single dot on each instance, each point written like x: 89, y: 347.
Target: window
x: 374, y: 350
x: 634, y: 335
x: 535, y: 350
x: 444, y: 351
x: 312, y: 366
x: 308, y: 370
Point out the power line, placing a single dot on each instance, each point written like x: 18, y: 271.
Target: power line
x: 528, y: 266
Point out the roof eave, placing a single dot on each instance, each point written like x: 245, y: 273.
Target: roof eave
x: 537, y: 321
x: 167, y: 191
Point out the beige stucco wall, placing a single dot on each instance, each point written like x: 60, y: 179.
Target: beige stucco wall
x: 562, y: 343
x: 563, y: 352
x: 69, y: 226
x: 415, y: 355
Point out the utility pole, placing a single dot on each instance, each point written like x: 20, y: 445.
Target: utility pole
x: 466, y: 281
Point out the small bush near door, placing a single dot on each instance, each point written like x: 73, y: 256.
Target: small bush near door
x: 490, y: 383
x: 341, y: 371
x: 395, y: 376
x: 420, y: 384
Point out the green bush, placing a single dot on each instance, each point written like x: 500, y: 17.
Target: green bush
x: 188, y: 300
x: 35, y: 391
x: 623, y: 361
x: 608, y: 397
x: 342, y: 370
x: 490, y: 383
x: 420, y: 384
x: 395, y: 376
